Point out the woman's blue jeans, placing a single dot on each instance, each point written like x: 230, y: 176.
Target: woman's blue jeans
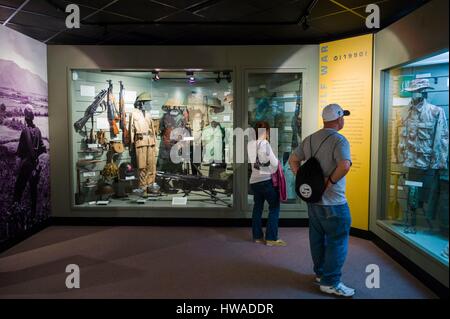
x: 264, y: 191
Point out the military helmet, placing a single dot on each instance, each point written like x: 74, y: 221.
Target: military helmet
x: 104, y: 189
x: 126, y: 170
x: 144, y: 96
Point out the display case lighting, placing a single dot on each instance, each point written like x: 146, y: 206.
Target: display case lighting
x: 191, y: 77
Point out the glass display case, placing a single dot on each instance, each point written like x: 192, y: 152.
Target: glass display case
x: 158, y: 138
x: 276, y: 97
x: 415, y: 167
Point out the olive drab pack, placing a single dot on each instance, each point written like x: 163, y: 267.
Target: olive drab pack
x: 310, y: 179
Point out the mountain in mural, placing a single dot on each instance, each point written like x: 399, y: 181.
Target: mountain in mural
x: 14, y: 77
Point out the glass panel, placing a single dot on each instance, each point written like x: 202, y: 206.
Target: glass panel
x: 158, y: 139
x: 416, y: 145
x: 277, y: 99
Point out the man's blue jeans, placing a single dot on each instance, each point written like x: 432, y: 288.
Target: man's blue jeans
x: 264, y: 191
x: 329, y: 229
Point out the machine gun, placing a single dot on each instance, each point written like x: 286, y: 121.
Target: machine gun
x: 123, y: 117
x: 190, y: 183
x: 91, y: 111
x: 112, y: 113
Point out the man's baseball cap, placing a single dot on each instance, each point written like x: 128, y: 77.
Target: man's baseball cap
x: 332, y: 112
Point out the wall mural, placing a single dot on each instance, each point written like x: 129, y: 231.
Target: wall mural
x: 24, y: 146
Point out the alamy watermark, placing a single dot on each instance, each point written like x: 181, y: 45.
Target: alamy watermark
x: 181, y: 150
x: 73, y: 17
x: 373, y: 279
x: 73, y: 280
x: 373, y: 19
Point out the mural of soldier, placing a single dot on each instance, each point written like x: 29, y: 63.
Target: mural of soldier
x: 30, y: 147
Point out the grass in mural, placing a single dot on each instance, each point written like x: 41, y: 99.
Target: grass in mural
x: 15, y: 219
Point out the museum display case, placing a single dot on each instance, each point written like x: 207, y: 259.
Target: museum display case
x: 160, y: 138
x: 415, y: 148
x: 276, y: 97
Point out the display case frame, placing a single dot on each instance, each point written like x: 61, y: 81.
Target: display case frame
x: 385, y: 163
x: 289, y: 210
x: 433, y: 267
x: 138, y: 209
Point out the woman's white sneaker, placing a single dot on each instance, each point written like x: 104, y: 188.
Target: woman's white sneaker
x: 339, y: 290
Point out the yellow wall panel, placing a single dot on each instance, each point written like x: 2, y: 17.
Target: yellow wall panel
x: 345, y: 78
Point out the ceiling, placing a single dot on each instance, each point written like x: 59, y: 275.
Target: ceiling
x: 193, y: 22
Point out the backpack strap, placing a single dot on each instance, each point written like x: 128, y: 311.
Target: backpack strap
x: 323, y: 141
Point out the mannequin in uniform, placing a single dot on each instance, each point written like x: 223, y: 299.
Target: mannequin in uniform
x: 173, y: 129
x: 143, y: 140
x: 422, y: 138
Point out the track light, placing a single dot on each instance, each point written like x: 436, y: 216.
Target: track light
x: 156, y: 76
x: 305, y: 25
x: 305, y: 22
x: 191, y: 77
x: 227, y: 76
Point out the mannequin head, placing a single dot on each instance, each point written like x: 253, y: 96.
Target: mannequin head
x: 143, y: 101
x: 418, y: 96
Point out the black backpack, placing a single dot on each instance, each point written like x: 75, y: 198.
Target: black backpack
x: 310, y: 180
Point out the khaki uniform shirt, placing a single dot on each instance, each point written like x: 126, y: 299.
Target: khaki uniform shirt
x: 142, y: 130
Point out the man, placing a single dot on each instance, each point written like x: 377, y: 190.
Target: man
x: 329, y: 219
x: 30, y: 148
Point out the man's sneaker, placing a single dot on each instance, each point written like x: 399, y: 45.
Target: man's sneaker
x: 339, y: 290
x: 277, y: 242
x: 258, y: 241
x: 317, y: 280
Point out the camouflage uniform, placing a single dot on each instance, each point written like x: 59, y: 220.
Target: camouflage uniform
x: 423, y: 137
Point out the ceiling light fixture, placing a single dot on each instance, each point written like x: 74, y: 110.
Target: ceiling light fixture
x: 156, y: 76
x: 305, y: 23
x: 218, y: 79
x: 304, y: 20
x: 191, y: 77
x: 227, y: 75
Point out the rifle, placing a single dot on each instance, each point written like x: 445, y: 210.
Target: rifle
x: 91, y: 111
x: 123, y: 117
x: 112, y: 114
x: 206, y: 185
x: 189, y: 183
x: 394, y: 210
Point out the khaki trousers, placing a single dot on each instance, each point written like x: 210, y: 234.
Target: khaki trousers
x: 146, y: 161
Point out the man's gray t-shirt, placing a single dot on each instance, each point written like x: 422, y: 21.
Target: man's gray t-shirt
x: 335, y: 149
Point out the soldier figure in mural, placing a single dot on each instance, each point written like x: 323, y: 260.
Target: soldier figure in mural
x: 29, y: 149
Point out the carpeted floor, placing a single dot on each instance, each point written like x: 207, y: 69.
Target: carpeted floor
x: 162, y: 262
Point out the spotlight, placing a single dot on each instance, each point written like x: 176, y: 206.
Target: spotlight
x: 227, y: 76
x: 305, y: 23
x: 156, y: 76
x: 191, y: 77
x: 218, y: 79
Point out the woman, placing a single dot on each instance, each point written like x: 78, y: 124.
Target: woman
x: 264, y: 164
